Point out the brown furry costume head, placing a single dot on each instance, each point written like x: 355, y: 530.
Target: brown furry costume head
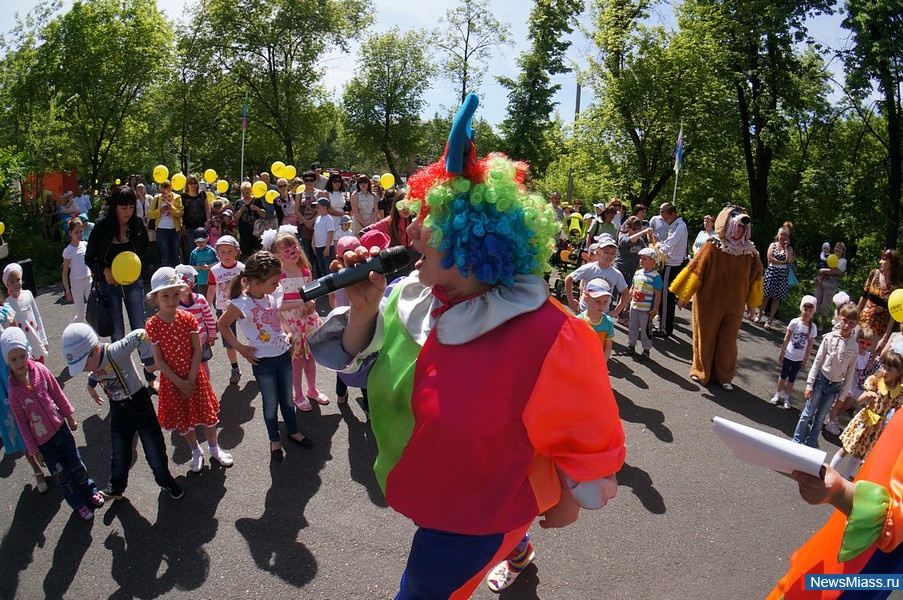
x: 728, y: 222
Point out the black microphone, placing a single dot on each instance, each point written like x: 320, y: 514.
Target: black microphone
x: 387, y: 261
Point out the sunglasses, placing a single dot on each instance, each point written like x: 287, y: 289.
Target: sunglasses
x: 282, y: 185
x: 309, y: 180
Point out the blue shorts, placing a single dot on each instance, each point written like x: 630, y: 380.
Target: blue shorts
x: 790, y: 368
x: 226, y: 344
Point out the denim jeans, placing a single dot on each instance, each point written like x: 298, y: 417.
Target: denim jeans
x: 126, y: 419
x: 341, y: 389
x: 324, y: 257
x: 274, y: 378
x: 133, y: 295
x: 820, y: 401
x: 308, y: 247
x: 67, y: 469
x: 168, y: 242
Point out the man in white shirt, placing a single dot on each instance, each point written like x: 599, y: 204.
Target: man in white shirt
x: 82, y: 201
x: 674, y: 247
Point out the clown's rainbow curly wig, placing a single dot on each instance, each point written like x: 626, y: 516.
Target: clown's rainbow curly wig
x: 484, y: 220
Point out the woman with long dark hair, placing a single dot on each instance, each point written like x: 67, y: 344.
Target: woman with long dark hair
x: 873, y: 302
x: 121, y: 230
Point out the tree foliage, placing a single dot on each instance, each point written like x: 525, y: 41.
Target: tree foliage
x: 467, y: 37
x: 528, y: 123
x: 383, y: 102
x: 98, y: 56
x: 876, y: 60
x: 270, y: 49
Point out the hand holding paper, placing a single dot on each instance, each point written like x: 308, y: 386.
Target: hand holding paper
x: 767, y: 450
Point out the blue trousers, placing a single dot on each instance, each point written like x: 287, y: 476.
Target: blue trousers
x: 824, y: 393
x: 65, y: 464
x: 274, y: 378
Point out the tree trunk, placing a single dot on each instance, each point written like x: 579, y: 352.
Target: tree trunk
x: 895, y: 168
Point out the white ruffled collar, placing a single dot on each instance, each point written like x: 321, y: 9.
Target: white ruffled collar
x: 471, y: 318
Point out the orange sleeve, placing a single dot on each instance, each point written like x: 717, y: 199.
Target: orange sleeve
x: 571, y: 417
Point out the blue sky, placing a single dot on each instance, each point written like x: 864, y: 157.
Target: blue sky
x: 405, y: 14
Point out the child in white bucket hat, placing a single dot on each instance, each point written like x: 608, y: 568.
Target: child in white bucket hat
x: 186, y: 398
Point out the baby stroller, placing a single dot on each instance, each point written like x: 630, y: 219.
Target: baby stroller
x: 567, y: 257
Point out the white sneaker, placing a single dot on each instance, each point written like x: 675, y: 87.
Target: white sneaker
x: 786, y: 402
x: 502, y: 575
x: 197, y: 462
x: 833, y: 427
x: 776, y: 399
x: 221, y: 456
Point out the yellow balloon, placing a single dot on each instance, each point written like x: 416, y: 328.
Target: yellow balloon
x: 2, y: 228
x: 126, y: 268
x: 895, y: 305
x: 289, y: 172
x: 833, y: 260
x: 118, y: 181
x: 277, y: 168
x: 178, y: 182
x: 222, y: 186
x: 209, y: 175
x: 258, y: 189
x: 387, y: 180
x: 210, y: 196
x: 271, y: 196
x: 161, y: 173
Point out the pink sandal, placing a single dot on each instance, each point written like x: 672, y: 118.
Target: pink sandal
x: 304, y: 405
x: 320, y: 398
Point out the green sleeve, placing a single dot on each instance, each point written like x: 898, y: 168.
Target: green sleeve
x: 870, y: 505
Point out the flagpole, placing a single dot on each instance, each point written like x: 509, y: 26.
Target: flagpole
x: 244, y: 128
x: 674, y: 197
x: 678, y: 160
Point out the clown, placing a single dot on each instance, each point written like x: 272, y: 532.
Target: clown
x: 724, y: 276
x: 487, y: 399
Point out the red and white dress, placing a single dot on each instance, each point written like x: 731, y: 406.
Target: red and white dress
x: 174, y: 411
x: 300, y: 323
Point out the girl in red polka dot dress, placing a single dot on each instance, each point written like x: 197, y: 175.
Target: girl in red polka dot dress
x: 186, y: 398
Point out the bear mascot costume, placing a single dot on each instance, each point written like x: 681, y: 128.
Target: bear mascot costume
x: 725, y: 277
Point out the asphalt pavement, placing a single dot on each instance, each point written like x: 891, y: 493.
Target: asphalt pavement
x: 689, y: 521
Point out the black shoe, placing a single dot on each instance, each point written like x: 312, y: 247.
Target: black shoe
x: 304, y: 442
x: 151, y: 389
x: 626, y: 352
x: 659, y: 334
x: 175, y: 492
x: 109, y: 494
x: 644, y: 356
x: 277, y: 455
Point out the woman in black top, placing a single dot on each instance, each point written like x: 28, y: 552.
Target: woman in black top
x: 121, y: 230
x: 197, y: 213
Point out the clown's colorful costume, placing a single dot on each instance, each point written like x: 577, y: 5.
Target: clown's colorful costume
x: 866, y: 542
x: 477, y: 411
x: 488, y: 407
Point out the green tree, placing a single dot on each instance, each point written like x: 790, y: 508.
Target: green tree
x: 876, y: 59
x: 271, y: 48
x: 101, y: 53
x: 638, y: 75
x: 467, y: 37
x: 530, y: 95
x: 383, y: 102
x: 752, y: 47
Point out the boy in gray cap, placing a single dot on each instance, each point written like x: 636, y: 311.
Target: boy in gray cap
x: 131, y: 409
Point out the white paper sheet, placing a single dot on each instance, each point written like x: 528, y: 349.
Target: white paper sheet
x: 767, y: 450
